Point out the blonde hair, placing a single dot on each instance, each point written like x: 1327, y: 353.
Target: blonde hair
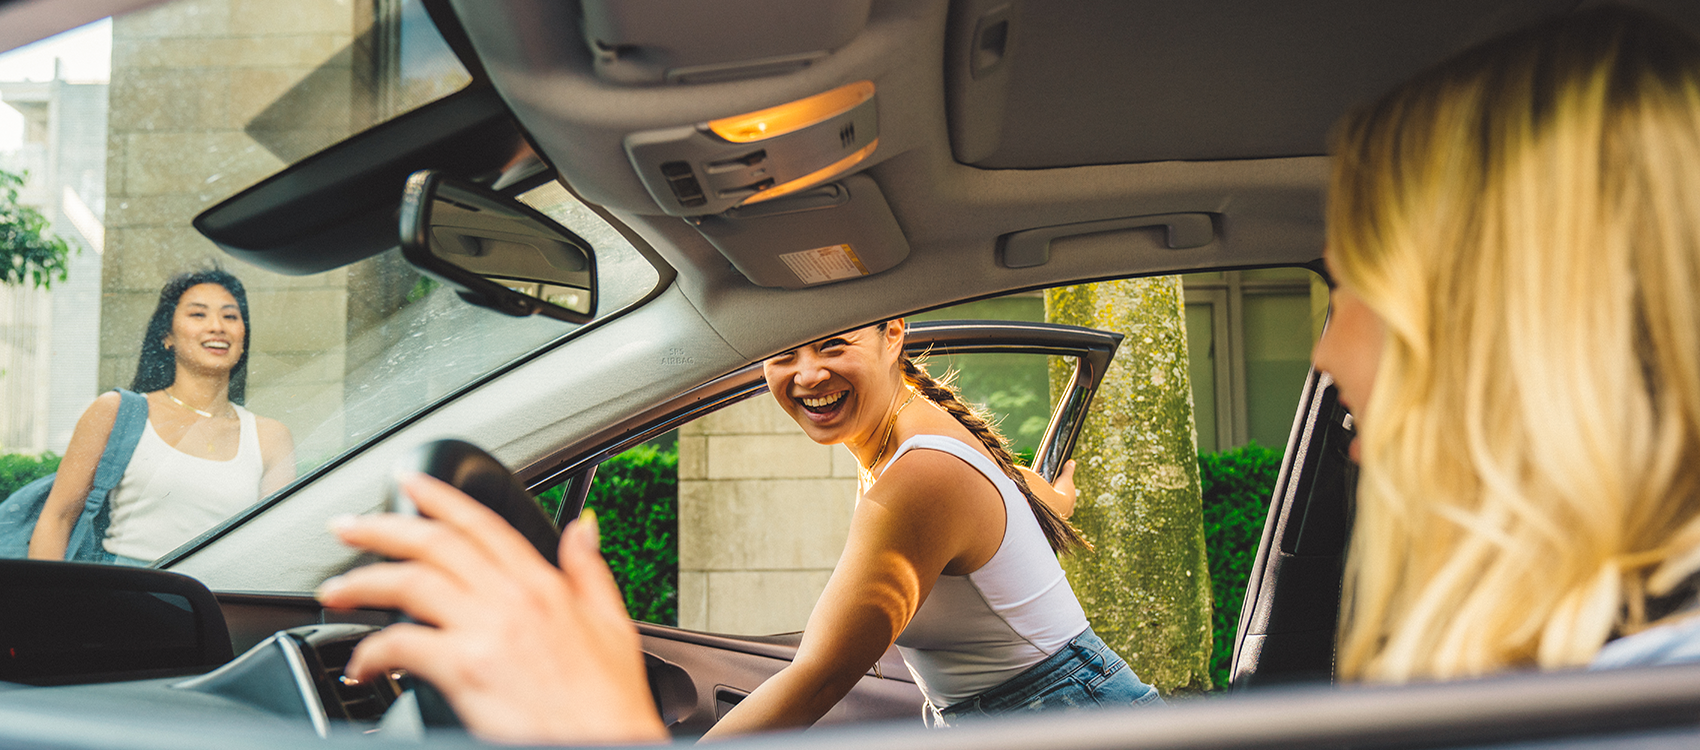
x: 1525, y: 219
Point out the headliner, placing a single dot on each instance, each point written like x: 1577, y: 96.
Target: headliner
x: 1119, y: 82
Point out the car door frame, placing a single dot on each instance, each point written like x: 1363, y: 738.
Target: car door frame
x: 1290, y: 617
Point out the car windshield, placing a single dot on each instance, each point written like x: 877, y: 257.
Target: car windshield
x: 113, y: 137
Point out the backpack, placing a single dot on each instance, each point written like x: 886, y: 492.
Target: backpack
x: 20, y: 510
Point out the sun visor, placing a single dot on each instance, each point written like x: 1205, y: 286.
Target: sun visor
x: 844, y: 230
x: 339, y: 206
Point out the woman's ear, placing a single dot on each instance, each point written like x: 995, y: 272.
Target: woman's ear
x: 894, y: 334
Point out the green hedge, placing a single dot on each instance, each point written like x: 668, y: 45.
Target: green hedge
x: 18, y: 469
x: 635, y: 497
x: 1237, y: 484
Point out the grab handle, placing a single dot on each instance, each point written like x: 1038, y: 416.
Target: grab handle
x: 1032, y: 247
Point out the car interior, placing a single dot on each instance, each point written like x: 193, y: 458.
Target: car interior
x: 760, y: 174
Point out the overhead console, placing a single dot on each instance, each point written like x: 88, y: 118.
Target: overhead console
x: 834, y: 232
x: 609, y: 94
x: 758, y: 156
x: 756, y: 121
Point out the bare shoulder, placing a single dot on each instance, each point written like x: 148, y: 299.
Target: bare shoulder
x: 94, y: 427
x: 925, y: 481
x: 101, y: 414
x: 938, y: 507
x: 272, y: 431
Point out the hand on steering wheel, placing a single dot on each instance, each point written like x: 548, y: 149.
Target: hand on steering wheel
x: 524, y: 651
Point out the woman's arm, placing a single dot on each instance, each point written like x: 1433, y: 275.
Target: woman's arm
x: 72, y: 482
x: 1060, y: 496
x: 928, y: 511
x: 277, y: 454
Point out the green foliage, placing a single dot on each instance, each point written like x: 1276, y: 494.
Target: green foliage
x: 1237, y: 484
x: 18, y: 469
x: 1013, y: 388
x: 27, y: 251
x: 422, y: 288
x: 635, y: 497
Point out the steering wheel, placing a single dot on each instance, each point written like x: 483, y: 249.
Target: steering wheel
x: 468, y: 468
x: 471, y: 470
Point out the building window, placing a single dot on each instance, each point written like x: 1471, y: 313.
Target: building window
x: 1249, y: 336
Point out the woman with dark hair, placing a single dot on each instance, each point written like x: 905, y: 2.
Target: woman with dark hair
x: 201, y: 457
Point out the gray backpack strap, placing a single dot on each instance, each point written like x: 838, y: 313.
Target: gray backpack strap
x: 90, y: 531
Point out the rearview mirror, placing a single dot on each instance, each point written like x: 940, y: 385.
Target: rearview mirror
x: 495, y: 251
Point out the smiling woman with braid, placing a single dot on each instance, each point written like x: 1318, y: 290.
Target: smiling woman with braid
x: 952, y: 556
x: 952, y: 553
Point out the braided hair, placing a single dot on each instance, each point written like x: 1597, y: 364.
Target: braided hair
x: 1062, y: 536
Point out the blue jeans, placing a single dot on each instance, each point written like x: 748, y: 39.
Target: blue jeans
x: 1085, y: 673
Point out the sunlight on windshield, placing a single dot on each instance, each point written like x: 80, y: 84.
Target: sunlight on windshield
x: 113, y: 137
x: 622, y: 275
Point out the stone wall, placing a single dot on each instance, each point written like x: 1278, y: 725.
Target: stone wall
x: 189, y: 83
x: 763, y: 516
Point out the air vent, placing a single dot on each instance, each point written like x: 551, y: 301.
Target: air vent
x: 327, y: 649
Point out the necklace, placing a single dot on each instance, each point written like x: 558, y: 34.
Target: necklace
x: 179, y: 402
x: 886, y: 442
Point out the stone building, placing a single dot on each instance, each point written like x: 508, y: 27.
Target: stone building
x: 193, y: 122
x: 48, y: 338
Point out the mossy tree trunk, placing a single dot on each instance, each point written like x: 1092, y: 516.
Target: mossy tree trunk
x: 1147, y: 587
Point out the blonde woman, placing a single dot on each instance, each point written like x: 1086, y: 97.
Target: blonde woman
x: 1515, y: 238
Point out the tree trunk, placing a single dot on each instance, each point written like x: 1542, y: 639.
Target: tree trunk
x: 1147, y: 587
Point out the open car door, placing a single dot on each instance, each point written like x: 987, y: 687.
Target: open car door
x: 1291, y: 613
x: 698, y: 676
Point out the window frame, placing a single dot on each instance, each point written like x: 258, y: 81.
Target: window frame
x: 575, y: 464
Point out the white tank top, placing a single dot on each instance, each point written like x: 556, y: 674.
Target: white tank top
x: 976, y: 631
x: 168, y: 497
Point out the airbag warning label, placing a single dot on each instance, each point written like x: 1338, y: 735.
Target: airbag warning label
x: 823, y: 264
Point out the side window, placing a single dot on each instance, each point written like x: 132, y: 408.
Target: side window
x: 763, y: 515
x: 734, y: 522
x: 1249, y: 336
x: 635, y: 498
